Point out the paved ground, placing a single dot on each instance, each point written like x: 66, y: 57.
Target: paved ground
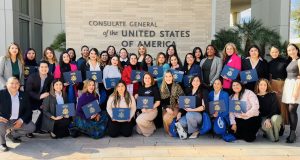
x: 159, y: 146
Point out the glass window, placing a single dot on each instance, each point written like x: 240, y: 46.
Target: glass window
x: 24, y: 6
x: 37, y: 9
x: 24, y: 34
x: 38, y: 40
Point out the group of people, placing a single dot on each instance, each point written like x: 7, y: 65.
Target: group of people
x: 271, y: 102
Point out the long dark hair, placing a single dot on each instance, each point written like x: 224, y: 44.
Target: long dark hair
x: 185, y: 66
x: 175, y: 53
x: 201, y: 53
x: 119, y: 63
x: 72, y: 49
x: 297, y: 48
x: 117, y: 97
x: 61, y: 62
x: 145, y: 67
x: 115, y: 52
x: 178, y: 61
x: 242, y: 90
x: 26, y: 60
x: 254, y: 46
x: 52, y: 91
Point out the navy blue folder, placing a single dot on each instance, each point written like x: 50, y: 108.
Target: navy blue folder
x: 137, y: 75
x: 187, y: 102
x: 73, y: 77
x: 145, y: 102
x: 29, y: 70
x: 94, y: 75
x: 217, y: 106
x: 156, y: 71
x: 187, y: 79
x: 178, y: 75
x: 65, y: 109
x: 229, y: 72
x: 249, y: 76
x: 111, y: 82
x: 91, y: 108
x: 237, y: 106
x: 121, y: 114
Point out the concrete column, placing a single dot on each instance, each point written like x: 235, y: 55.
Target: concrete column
x: 53, y: 16
x: 6, y: 25
x: 274, y: 14
x: 220, y: 15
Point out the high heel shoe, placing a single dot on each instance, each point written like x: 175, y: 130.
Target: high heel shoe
x: 292, y: 137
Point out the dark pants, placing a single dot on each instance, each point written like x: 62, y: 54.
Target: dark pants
x: 158, y: 119
x: 120, y: 128
x: 38, y: 123
x: 60, y: 128
x: 247, y: 128
x: 205, y: 92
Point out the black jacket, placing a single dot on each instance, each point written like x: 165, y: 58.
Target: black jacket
x: 262, y: 70
x: 33, y: 86
x: 25, y: 112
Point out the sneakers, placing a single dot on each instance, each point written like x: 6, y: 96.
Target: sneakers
x: 194, y: 135
x: 52, y: 135
x: 4, y: 148
x: 13, y: 139
x: 181, y: 132
x: 29, y: 135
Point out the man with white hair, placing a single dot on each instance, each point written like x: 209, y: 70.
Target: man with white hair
x: 15, y: 114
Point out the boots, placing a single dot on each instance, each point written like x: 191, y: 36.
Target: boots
x: 292, y: 137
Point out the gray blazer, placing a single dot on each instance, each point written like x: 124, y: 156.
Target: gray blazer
x: 6, y: 71
x: 215, y: 69
x: 49, y: 109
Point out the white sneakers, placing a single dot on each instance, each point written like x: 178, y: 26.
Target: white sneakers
x: 181, y: 132
x: 194, y: 135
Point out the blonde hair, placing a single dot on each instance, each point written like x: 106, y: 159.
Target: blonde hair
x: 19, y: 55
x: 269, y: 88
x: 86, y: 84
x: 224, y: 50
x: 164, y: 85
x: 141, y: 45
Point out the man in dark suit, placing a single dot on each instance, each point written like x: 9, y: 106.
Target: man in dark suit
x: 38, y: 87
x: 15, y: 113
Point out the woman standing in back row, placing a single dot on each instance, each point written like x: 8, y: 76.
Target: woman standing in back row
x: 291, y: 89
x: 277, y: 68
x: 231, y: 59
x: 12, y: 65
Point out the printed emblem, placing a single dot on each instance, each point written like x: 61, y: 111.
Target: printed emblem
x: 94, y: 77
x: 65, y: 110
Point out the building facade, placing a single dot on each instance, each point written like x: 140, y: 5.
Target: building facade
x: 155, y: 24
